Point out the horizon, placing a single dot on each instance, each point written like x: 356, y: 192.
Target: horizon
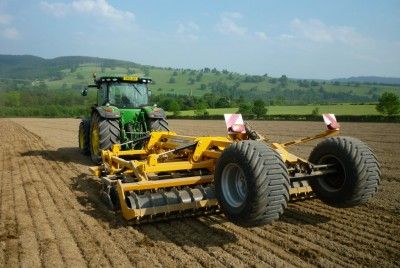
x: 178, y: 68
x: 311, y: 40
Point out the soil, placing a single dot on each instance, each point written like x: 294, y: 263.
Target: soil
x: 51, y: 213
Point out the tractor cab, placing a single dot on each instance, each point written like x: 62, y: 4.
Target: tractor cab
x: 124, y: 92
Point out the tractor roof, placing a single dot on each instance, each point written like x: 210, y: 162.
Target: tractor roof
x: 125, y: 79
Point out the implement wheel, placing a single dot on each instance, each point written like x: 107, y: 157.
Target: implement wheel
x: 84, y: 136
x: 251, y: 183
x: 103, y: 134
x: 358, y: 172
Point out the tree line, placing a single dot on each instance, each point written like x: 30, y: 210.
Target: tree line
x: 27, y: 99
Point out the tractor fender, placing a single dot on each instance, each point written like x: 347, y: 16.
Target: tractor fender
x: 155, y: 113
x: 108, y: 112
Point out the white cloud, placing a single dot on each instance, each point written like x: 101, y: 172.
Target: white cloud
x: 7, y: 30
x: 5, y: 18
x: 285, y: 37
x: 97, y: 8
x: 317, y: 31
x: 102, y: 8
x: 188, y: 31
x: 56, y: 9
x: 11, y: 33
x: 188, y: 27
x: 228, y: 24
x: 261, y: 35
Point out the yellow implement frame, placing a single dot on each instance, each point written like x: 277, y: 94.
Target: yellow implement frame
x: 132, y: 171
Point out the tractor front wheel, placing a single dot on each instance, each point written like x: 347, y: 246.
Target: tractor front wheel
x: 103, y: 134
x: 251, y: 183
x: 357, y: 172
x: 84, y: 136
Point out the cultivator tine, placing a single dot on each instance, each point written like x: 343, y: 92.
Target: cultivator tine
x: 300, y: 190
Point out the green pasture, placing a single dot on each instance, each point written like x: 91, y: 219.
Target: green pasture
x: 340, y: 109
x: 83, y: 75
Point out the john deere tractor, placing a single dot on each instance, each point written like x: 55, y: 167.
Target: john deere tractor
x: 121, y: 115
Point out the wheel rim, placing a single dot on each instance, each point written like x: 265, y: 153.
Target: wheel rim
x: 81, y: 139
x: 234, y: 185
x: 95, y: 138
x: 334, y: 182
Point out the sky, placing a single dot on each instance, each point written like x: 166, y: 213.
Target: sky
x: 301, y: 39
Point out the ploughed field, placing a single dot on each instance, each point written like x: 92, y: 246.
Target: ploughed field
x: 51, y: 213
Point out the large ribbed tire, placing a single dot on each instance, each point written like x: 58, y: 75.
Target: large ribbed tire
x: 84, y: 136
x: 103, y: 134
x: 160, y: 124
x: 358, y: 172
x: 251, y: 183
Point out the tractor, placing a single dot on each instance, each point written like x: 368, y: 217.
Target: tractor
x: 122, y: 115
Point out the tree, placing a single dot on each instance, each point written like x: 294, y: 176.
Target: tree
x: 200, y: 109
x: 175, y: 107
x: 12, y: 99
x: 172, y: 80
x: 222, y: 103
x: 199, y: 77
x: 245, y: 109
x: 283, y: 80
x: 389, y: 104
x: 259, y: 108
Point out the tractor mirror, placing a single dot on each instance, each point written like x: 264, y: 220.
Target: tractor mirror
x: 84, y: 91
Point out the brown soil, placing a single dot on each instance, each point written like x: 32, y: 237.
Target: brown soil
x: 51, y: 214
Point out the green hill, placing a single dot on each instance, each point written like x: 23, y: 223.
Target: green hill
x: 30, y: 81
x: 75, y: 71
x: 370, y: 79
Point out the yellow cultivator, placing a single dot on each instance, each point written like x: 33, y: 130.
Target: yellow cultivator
x: 241, y: 175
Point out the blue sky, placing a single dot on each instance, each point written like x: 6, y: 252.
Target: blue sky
x: 302, y: 39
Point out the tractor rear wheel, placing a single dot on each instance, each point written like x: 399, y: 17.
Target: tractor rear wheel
x: 84, y: 136
x: 103, y: 134
x: 358, y: 173
x: 159, y: 125
x: 251, y: 183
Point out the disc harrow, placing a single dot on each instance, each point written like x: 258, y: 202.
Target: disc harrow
x: 241, y: 175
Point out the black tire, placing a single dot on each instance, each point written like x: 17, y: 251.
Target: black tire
x: 84, y: 136
x: 110, y: 197
x: 358, y: 173
x: 160, y: 124
x: 108, y: 131
x: 251, y: 183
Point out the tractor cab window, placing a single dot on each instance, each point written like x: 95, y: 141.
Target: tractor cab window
x: 125, y: 95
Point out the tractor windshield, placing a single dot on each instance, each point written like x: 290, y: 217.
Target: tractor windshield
x: 128, y: 95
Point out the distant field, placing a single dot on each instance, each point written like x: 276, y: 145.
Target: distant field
x: 340, y: 109
x: 83, y: 76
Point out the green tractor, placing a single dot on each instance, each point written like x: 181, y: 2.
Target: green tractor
x: 122, y: 115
